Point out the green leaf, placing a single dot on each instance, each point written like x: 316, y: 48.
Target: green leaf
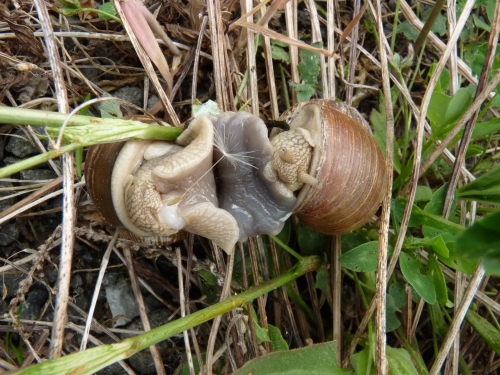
x: 437, y: 277
x: 107, y: 8
x: 280, y: 54
x: 110, y: 108
x: 260, y: 333
x: 379, y: 125
x: 399, y: 362
x: 398, y: 207
x: 458, y: 262
x: 360, y: 362
x: 397, y: 291
x: 309, y: 65
x: 310, y: 241
x: 362, y: 258
x: 482, y: 239
x: 482, y: 129
x: 410, y: 267
x: 438, y: 106
x: 69, y: 7
x: 392, y: 321
x: 485, y: 329
x: 423, y: 194
x: 409, y: 31
x: 437, y: 244
x: 439, y: 25
x: 304, y: 91
x: 480, y: 24
x: 459, y: 103
x: 322, y: 278
x: 277, y: 340
x: 312, y: 360
x: 484, y: 189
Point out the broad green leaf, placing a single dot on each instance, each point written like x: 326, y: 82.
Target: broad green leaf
x: 473, y: 150
x: 379, y: 125
x: 410, y: 267
x: 311, y: 242
x: 482, y: 129
x: 485, y: 329
x: 362, y: 362
x: 110, y: 108
x: 277, y: 341
x: 309, y: 65
x: 438, y: 321
x: 322, y: 278
x: 397, y: 291
x: 423, y: 194
x: 392, y: 321
x: 107, y: 8
x: 482, y: 239
x: 437, y: 244
x: 362, y: 258
x: 260, y: 333
x: 480, y: 24
x: 69, y: 7
x: 458, y: 262
x: 459, y: 103
x: 312, y: 360
x: 399, y: 362
x: 398, y: 206
x: 408, y: 30
x: 279, y: 53
x: 439, y: 25
x: 438, y: 106
x: 435, y: 224
x: 352, y: 240
x: 437, y: 277
x: 484, y: 189
x: 304, y: 91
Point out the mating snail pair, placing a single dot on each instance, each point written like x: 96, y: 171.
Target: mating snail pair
x: 327, y: 170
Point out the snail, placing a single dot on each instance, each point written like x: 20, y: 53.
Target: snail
x: 225, y: 180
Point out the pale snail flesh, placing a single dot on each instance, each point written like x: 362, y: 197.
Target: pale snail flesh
x: 252, y: 197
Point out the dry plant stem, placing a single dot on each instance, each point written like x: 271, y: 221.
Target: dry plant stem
x: 284, y: 298
x: 256, y: 281
x: 182, y: 303
x: 253, y: 336
x: 146, y: 62
x: 12, y: 210
x: 315, y: 307
x: 196, y: 62
x: 251, y: 63
x: 291, y: 26
x: 382, y: 274
x: 336, y: 275
x: 454, y: 327
x: 60, y: 313
x: 316, y: 37
x: 226, y: 293
x: 271, y: 79
x: 155, y: 353
x: 102, y: 270
x: 453, y: 63
x: 353, y: 54
x: 219, y: 55
x: 464, y: 143
x: 42, y: 340
x: 476, y: 104
x: 331, y: 47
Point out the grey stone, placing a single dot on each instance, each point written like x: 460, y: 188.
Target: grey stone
x: 19, y: 145
x: 121, y: 300
x: 2, y: 146
x: 37, y: 296
x: 37, y: 174
x: 30, y: 310
x: 10, y: 281
x: 5, y: 203
x: 8, y: 234
x: 130, y: 94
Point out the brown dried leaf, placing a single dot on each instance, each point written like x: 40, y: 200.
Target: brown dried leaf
x: 26, y: 38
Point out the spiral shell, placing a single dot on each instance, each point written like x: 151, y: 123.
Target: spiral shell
x: 347, y: 162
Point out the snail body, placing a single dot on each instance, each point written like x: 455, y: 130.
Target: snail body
x: 327, y: 169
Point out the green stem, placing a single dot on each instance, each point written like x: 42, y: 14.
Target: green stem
x: 80, y: 131
x: 91, y: 360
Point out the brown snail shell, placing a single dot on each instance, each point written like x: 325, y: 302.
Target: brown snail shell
x: 348, y: 163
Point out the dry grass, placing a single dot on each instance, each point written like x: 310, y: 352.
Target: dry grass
x: 220, y: 60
